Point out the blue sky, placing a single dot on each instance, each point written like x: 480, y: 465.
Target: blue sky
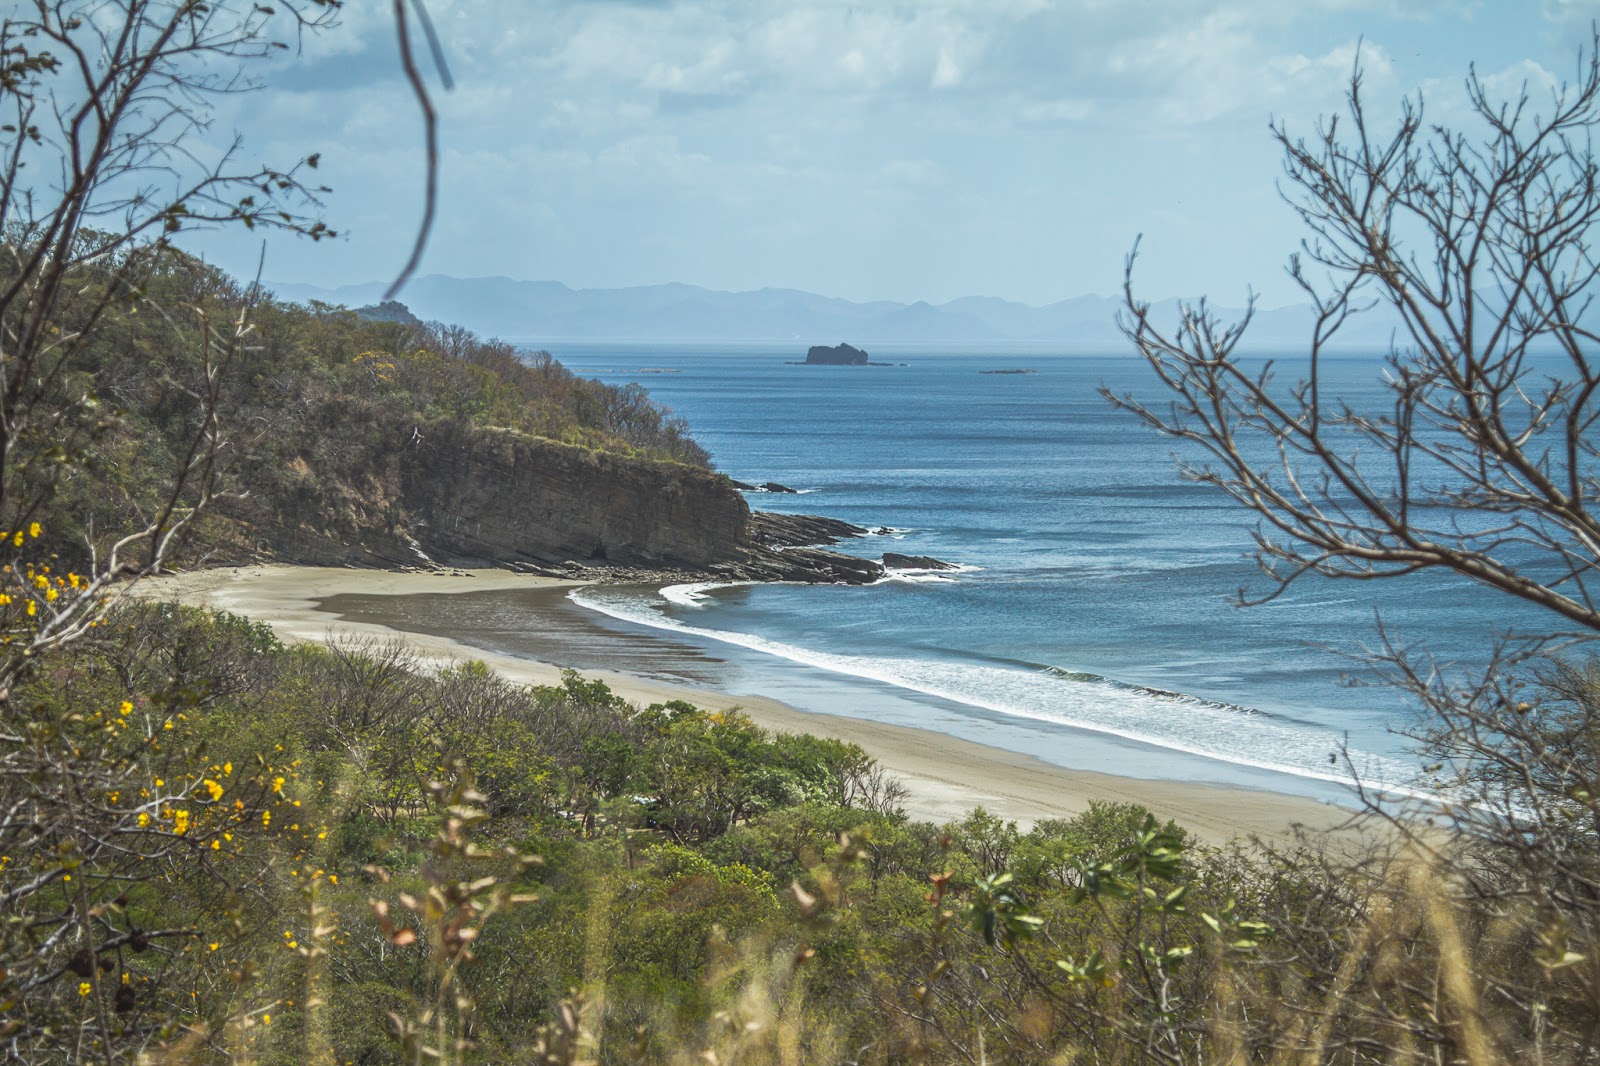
x: 906, y: 151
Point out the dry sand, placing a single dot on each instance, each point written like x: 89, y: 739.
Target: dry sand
x: 946, y: 776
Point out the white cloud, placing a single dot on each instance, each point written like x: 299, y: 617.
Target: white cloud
x: 986, y: 123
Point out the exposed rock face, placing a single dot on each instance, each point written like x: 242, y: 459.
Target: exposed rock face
x: 450, y: 493
x: 499, y: 495
x: 839, y: 355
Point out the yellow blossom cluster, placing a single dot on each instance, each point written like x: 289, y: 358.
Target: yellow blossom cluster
x: 28, y: 587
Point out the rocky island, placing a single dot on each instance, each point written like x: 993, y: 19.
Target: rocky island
x: 840, y: 355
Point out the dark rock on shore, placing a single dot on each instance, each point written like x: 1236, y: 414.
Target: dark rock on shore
x: 799, y: 530
x: 765, y: 486
x: 805, y: 564
x: 784, y: 547
x: 839, y: 355
x: 896, y: 561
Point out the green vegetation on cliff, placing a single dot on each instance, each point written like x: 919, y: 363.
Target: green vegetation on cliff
x: 315, y: 405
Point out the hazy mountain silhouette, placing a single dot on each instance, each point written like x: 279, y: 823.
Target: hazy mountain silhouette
x: 547, y: 311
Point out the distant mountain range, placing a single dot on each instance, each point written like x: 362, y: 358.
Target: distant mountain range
x: 541, y: 312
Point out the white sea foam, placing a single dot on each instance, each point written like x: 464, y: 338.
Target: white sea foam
x: 916, y: 577
x: 953, y: 568
x: 694, y: 594
x: 1236, y: 735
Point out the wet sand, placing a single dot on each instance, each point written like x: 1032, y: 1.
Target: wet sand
x: 946, y: 776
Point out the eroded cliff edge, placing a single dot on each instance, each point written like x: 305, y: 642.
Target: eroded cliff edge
x: 449, y: 493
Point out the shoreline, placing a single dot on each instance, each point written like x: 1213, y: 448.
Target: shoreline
x: 945, y: 776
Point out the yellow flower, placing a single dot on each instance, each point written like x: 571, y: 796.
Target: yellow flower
x: 33, y: 608
x: 333, y: 879
x: 144, y: 819
x: 277, y: 784
x: 216, y: 845
x: 213, y: 788
x: 84, y: 987
x: 180, y: 822
x: 266, y: 819
x: 17, y: 540
x: 126, y: 709
x: 227, y: 768
x: 33, y: 530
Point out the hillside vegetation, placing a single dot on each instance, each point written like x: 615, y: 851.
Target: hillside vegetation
x: 278, y: 854
x: 314, y: 403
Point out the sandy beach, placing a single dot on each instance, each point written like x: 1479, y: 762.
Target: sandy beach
x: 946, y: 776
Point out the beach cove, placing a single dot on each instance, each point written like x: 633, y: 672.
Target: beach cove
x: 946, y: 776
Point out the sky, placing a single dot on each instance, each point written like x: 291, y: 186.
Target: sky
x: 906, y: 151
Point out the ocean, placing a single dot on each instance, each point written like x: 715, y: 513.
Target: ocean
x: 1092, y: 622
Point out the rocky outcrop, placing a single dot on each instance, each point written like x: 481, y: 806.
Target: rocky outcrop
x: 765, y: 486
x: 896, y: 561
x: 839, y: 355
x: 799, y: 530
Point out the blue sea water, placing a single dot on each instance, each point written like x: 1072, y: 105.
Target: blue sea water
x: 1092, y: 623
x: 1097, y: 590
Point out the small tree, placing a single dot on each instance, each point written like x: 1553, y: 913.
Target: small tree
x: 101, y: 165
x: 1484, y: 462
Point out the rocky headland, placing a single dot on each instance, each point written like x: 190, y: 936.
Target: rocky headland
x: 450, y: 494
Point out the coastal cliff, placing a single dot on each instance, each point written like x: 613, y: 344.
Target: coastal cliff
x: 505, y: 496
x: 450, y: 493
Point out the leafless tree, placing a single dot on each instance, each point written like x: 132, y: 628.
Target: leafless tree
x: 1481, y: 461
x: 105, y: 109
x: 102, y: 164
x: 1486, y: 463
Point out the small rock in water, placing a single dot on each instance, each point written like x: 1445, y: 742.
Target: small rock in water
x: 773, y: 486
x: 896, y: 561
